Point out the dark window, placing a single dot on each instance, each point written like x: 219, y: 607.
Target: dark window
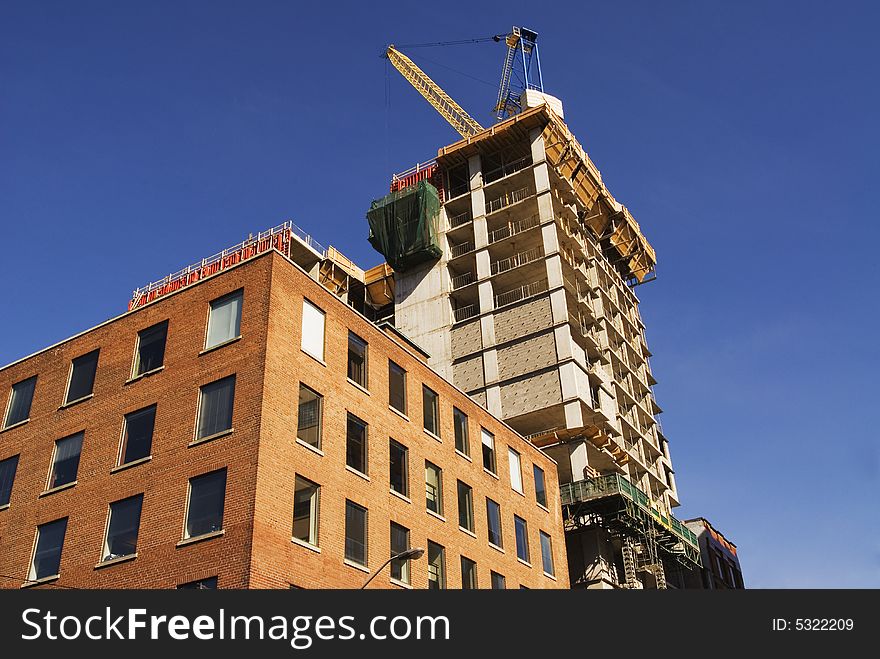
x: 202, y: 584
x: 493, y: 519
x: 224, y: 319
x: 215, y: 407
x: 65, y: 463
x: 436, y: 567
x: 47, y: 552
x: 355, y: 533
x: 306, y: 500
x: 122, y: 529
x: 7, y: 478
x: 498, y: 581
x: 468, y: 574
x: 207, y: 494
x: 547, y: 554
x: 20, y: 400
x: 488, y: 440
x: 399, y: 468
x: 396, y: 387
x: 433, y: 488
x: 137, y: 435
x: 465, y: 506
x: 399, y: 543
x: 540, y: 488
x: 150, y: 348
x: 460, y: 423
x: 357, y: 359
x: 521, y: 531
x: 431, y: 410
x: 309, y: 416
x: 356, y: 444
x: 82, y: 377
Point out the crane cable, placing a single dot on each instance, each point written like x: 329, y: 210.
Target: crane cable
x: 496, y: 38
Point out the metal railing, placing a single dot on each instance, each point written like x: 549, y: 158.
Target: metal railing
x: 462, y: 248
x: 521, y: 293
x: 415, y: 169
x: 514, y: 228
x: 461, y: 218
x: 463, y: 313
x: 507, y: 199
x: 517, y: 260
x: 507, y: 169
x: 462, y: 280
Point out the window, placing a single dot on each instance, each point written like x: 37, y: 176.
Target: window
x: 47, y: 550
x: 540, y: 488
x: 399, y: 543
x: 465, y: 506
x: 431, y: 411
x: 460, y: 423
x: 433, y: 488
x: 82, y: 377
x: 19, y: 408
x: 396, y: 387
x: 355, y: 533
x: 122, y: 528
x: 215, y: 407
x: 206, y: 501
x: 488, y: 450
x: 309, y: 416
x: 493, y: 519
x: 202, y: 584
x: 521, y: 530
x: 65, y: 462
x: 356, y: 444
x: 306, y: 499
x: 399, y: 468
x: 547, y: 554
x: 224, y: 319
x: 313, y: 330
x: 357, y: 359
x: 137, y: 435
x: 150, y: 353
x: 515, y: 464
x: 7, y: 478
x: 436, y: 566
x: 498, y: 581
x: 468, y: 573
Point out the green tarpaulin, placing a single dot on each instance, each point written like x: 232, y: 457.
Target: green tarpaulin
x: 403, y: 226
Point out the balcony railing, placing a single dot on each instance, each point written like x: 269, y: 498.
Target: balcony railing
x: 517, y: 260
x: 463, y: 313
x: 514, y: 228
x: 461, y: 218
x: 507, y: 169
x: 462, y: 248
x: 462, y: 280
x: 507, y: 199
x: 521, y: 293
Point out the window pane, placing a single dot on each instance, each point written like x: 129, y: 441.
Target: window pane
x: 436, y: 567
x: 465, y: 506
x: 137, y: 440
x: 468, y: 574
x: 47, y: 553
x: 540, y: 490
x: 356, y: 444
x: 66, y: 462
x: 355, y: 533
x: 215, y: 407
x: 224, y: 319
x: 206, y: 501
x: 202, y: 584
x: 357, y: 359
x: 20, y: 401
x: 498, y: 581
x: 305, y: 510
x: 151, y: 348
x: 7, y: 478
x: 488, y: 440
x: 515, y: 470
x: 399, y: 543
x: 396, y: 387
x: 82, y: 376
x: 399, y: 468
x: 313, y: 330
x: 522, y: 538
x: 547, y: 553
x: 493, y: 517
x: 460, y: 422
x: 434, y: 488
x: 122, y: 531
x: 309, y: 416
x: 431, y: 411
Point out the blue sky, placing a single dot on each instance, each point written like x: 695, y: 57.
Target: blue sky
x: 138, y: 137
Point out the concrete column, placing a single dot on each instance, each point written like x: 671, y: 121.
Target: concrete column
x: 487, y: 299
x: 545, y: 207
x: 478, y: 203
x: 490, y: 366
x: 481, y: 231
x: 578, y: 459
x: 542, y: 178
x: 484, y: 264
x: 487, y: 327
x: 565, y: 348
x: 574, y: 419
x: 550, y: 238
x: 536, y: 137
x: 558, y: 307
x: 554, y: 271
x: 475, y: 171
x: 493, y: 400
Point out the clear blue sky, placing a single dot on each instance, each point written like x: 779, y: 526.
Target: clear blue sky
x: 138, y: 137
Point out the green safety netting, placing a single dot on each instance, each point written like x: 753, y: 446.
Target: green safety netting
x: 403, y: 226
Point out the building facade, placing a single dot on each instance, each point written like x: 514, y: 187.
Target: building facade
x: 720, y: 568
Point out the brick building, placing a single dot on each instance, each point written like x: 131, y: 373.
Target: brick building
x: 252, y: 430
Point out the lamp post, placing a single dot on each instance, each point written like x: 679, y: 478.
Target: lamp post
x: 414, y: 553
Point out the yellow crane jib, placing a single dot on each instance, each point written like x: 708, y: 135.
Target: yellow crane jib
x: 458, y: 118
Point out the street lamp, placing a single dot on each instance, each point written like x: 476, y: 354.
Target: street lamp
x: 414, y: 553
